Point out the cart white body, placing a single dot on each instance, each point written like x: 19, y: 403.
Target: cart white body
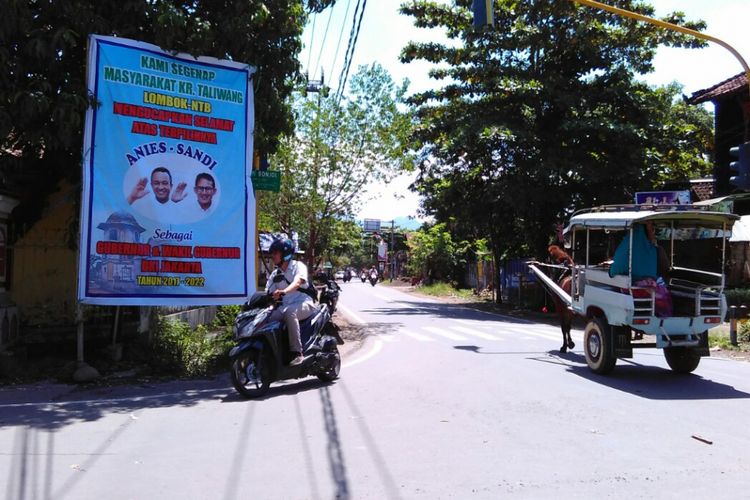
x: 615, y: 306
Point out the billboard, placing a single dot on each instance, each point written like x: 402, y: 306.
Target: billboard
x: 167, y: 209
x: 371, y: 225
x: 383, y: 251
x: 663, y: 198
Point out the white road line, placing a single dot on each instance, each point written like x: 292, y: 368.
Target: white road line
x: 443, y: 333
x: 525, y: 332
x: 388, y: 337
x: 417, y: 336
x: 474, y: 332
x: 350, y: 314
x: 377, y: 346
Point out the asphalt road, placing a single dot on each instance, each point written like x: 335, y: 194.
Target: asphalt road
x: 440, y: 402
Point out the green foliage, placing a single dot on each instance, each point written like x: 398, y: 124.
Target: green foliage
x: 544, y: 114
x: 738, y: 296
x: 743, y: 332
x: 434, y: 254
x: 43, y: 96
x: 339, y: 147
x: 225, y: 315
x: 441, y: 289
x: 180, y: 350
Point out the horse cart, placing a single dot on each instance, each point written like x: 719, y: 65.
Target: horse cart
x: 621, y: 312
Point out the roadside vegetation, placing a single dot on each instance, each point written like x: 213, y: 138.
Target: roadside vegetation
x: 447, y: 290
x: 719, y: 337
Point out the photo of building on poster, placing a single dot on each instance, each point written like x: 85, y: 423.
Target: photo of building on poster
x: 167, y: 212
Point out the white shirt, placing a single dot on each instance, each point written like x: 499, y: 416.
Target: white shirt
x: 294, y: 270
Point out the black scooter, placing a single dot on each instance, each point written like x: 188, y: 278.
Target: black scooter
x: 262, y: 354
x: 330, y: 295
x: 373, y: 278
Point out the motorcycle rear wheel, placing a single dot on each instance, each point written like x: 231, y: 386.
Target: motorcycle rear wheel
x: 250, y: 375
x: 333, y: 373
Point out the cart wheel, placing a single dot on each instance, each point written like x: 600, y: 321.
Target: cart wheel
x: 597, y: 346
x: 682, y: 359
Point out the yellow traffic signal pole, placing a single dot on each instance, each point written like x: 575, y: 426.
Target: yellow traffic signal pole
x: 668, y: 26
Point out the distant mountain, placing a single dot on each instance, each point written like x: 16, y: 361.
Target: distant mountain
x: 408, y: 223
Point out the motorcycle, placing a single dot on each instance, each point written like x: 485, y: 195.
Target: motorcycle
x: 347, y: 276
x: 262, y: 355
x: 363, y: 276
x: 373, y: 278
x: 330, y: 295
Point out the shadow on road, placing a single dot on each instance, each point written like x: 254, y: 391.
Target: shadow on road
x: 658, y: 383
x: 68, y: 405
x: 334, y: 448
x: 650, y: 382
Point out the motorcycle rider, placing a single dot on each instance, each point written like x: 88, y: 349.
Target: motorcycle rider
x: 285, y: 284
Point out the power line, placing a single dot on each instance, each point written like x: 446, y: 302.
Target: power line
x: 345, y: 71
x: 341, y: 35
x: 348, y: 47
x: 312, y: 40
x: 323, y: 45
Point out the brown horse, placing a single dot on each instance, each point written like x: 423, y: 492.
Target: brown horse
x: 565, y: 315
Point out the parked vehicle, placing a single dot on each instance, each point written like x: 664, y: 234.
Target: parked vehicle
x: 617, y: 306
x: 262, y: 355
x: 330, y: 295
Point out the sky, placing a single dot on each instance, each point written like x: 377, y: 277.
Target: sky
x: 384, y: 32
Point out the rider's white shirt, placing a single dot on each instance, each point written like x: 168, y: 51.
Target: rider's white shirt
x: 294, y: 270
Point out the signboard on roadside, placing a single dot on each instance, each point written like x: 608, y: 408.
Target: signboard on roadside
x: 266, y: 180
x: 167, y: 214
x: 663, y: 198
x: 371, y: 226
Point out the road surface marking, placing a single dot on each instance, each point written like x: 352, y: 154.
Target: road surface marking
x: 377, y: 346
x: 525, y: 332
x: 443, y: 333
x: 351, y: 314
x: 417, y: 336
x: 474, y: 332
x: 388, y: 337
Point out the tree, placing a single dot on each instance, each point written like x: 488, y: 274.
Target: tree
x: 338, y: 149
x: 544, y: 114
x: 43, y: 96
x: 434, y: 254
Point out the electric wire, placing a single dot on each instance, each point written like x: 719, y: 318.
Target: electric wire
x: 354, y: 45
x: 341, y: 35
x: 348, y: 48
x: 312, y: 40
x: 323, y: 44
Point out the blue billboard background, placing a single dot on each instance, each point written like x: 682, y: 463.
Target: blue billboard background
x: 167, y: 206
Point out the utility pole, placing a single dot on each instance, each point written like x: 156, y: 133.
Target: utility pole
x: 393, y: 253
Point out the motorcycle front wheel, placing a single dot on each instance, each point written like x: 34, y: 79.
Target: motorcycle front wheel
x: 250, y: 375
x: 333, y: 372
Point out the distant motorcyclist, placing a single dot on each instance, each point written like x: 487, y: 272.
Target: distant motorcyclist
x: 285, y: 284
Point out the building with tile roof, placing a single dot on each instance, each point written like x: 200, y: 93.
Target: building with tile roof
x: 731, y: 100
